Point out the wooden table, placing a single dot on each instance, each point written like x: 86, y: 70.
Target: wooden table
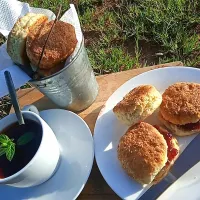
x: 96, y: 188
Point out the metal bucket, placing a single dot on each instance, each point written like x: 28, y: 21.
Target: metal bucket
x: 74, y: 87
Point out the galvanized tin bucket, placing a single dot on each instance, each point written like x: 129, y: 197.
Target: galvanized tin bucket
x: 74, y: 87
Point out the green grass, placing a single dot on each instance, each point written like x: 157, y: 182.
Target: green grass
x: 168, y: 23
x: 115, y: 31
x: 49, y: 4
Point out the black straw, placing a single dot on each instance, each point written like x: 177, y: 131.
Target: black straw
x: 13, y: 97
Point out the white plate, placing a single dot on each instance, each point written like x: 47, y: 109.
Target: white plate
x: 77, y: 154
x: 186, y: 187
x: 108, y: 130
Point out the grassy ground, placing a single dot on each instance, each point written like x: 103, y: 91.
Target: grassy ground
x: 124, y: 34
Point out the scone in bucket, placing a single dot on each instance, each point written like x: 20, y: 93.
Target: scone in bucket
x: 74, y: 87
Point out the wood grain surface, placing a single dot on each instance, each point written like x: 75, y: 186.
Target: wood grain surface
x: 96, y: 188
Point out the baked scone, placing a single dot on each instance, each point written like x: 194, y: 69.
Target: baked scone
x: 60, y: 45
x: 49, y: 72
x: 180, y: 108
x: 16, y: 43
x: 146, y: 153
x: 138, y: 104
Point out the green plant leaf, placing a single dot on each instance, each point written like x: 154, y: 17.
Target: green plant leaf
x: 10, y: 151
x: 26, y: 138
x: 7, y: 146
x: 4, y: 138
x: 2, y: 151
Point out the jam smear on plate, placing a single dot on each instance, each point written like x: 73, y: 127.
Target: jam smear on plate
x: 172, y: 152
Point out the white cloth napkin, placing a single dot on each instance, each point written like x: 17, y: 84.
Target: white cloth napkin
x: 10, y: 11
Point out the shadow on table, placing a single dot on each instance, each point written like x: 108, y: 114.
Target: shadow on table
x: 44, y: 104
x: 91, y: 118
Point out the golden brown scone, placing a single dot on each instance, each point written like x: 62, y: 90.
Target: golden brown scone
x: 59, y: 47
x: 179, y: 130
x: 49, y: 72
x: 173, y: 145
x: 16, y: 44
x: 181, y: 103
x: 138, y: 104
x: 142, y: 152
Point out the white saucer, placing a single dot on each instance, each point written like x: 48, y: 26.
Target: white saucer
x: 77, y: 155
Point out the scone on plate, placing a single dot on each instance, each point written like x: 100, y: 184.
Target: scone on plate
x: 16, y: 44
x: 146, y: 153
x: 138, y: 104
x: 180, y: 108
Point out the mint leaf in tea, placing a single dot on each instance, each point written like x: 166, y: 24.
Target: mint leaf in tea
x: 25, y: 138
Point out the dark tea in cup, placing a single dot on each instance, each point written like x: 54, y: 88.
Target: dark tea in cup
x: 26, y: 139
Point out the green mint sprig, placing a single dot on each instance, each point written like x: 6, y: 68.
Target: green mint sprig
x: 7, y: 145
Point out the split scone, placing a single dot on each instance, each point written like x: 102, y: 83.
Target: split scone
x: 180, y: 108
x: 147, y: 153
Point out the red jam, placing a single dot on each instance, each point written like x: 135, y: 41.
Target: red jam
x: 1, y: 174
x: 191, y: 126
x: 172, y: 152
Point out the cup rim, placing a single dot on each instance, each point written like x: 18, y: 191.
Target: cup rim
x: 33, y: 158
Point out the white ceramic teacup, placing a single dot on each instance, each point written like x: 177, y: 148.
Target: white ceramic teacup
x: 44, y: 163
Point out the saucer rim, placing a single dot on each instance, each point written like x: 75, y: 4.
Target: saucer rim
x: 92, y: 140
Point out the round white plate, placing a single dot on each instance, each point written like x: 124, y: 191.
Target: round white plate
x: 108, y: 130
x: 77, y: 154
